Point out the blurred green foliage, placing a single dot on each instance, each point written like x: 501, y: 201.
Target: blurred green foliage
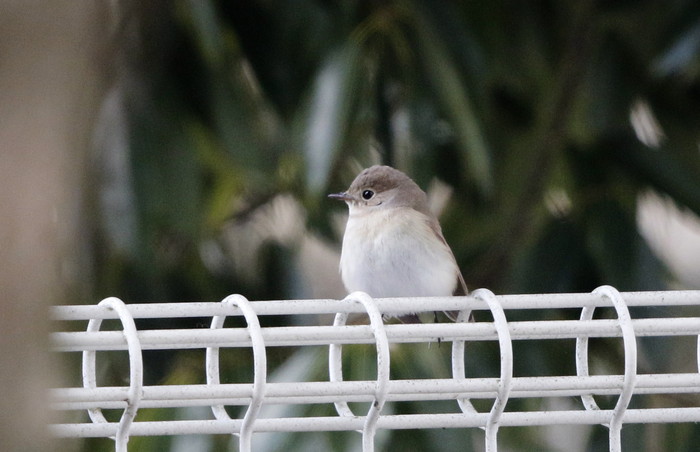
x: 522, y: 108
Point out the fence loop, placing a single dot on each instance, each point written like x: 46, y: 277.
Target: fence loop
x: 135, y: 391
x: 630, y: 376
x: 259, y: 365
x: 506, y: 378
x: 458, y: 361
x: 335, y: 366
x: 383, y: 367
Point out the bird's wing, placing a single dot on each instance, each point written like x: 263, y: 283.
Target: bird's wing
x: 461, y: 286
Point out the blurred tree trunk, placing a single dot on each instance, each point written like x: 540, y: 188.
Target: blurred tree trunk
x: 49, y: 86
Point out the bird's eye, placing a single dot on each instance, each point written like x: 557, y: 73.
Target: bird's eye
x: 367, y: 194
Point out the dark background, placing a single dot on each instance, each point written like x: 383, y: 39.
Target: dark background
x: 559, y: 141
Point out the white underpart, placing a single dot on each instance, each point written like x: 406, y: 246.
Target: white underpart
x: 395, y: 253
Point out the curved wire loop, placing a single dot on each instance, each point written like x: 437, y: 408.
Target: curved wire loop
x: 135, y: 371
x: 259, y: 365
x: 335, y: 367
x: 458, y: 365
x: 630, y: 377
x: 697, y: 352
x: 505, y: 381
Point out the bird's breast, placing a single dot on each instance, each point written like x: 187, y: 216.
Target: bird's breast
x: 395, y: 253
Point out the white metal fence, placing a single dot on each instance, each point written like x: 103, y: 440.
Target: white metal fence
x: 674, y: 319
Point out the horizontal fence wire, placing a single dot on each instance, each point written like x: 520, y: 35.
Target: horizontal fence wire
x: 670, y: 319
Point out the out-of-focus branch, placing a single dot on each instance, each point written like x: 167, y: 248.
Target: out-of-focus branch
x: 549, y: 138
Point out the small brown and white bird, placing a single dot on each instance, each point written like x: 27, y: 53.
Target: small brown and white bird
x: 393, y: 244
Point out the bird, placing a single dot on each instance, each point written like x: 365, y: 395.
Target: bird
x: 393, y: 244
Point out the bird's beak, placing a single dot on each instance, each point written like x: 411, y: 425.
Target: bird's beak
x: 341, y: 196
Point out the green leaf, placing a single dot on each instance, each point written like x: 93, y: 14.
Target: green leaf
x: 329, y: 110
x: 555, y: 263
x: 656, y: 167
x: 682, y: 56
x: 455, y: 101
x: 621, y: 256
